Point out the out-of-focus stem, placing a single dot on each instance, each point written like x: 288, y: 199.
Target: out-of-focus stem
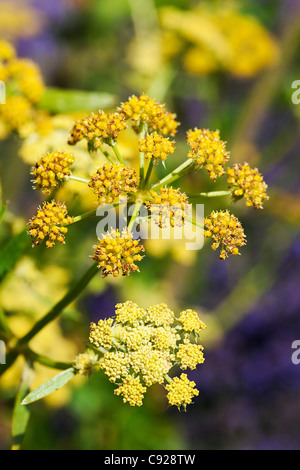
x: 210, y: 194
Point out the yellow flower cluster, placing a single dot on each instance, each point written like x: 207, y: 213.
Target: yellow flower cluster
x: 98, y: 128
x: 157, y: 147
x: 220, y: 38
x: 117, y: 252
x: 138, y: 347
x: 181, y: 391
x: 143, y: 109
x: 248, y: 183
x: 86, y: 363
x: 24, y: 89
x: 101, y: 333
x: 51, y: 170
x: 227, y: 231
x: 190, y: 322
x: 7, y: 50
x: 50, y: 221
x: 112, y: 180
x: 208, y: 150
x: 168, y: 206
x: 190, y: 355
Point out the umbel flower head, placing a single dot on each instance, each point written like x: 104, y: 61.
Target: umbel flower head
x: 143, y: 109
x: 168, y: 206
x: 156, y: 147
x: 112, y: 180
x: 247, y: 182
x: 208, y: 151
x: 117, y: 252
x: 51, y: 170
x: 98, y: 128
x: 226, y: 231
x: 49, y: 224
x: 138, y: 347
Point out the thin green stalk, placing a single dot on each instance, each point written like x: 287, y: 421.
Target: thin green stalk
x: 210, y: 194
x: 78, y: 218
x: 137, y: 207
x: 148, y: 174
x: 181, y: 170
x: 77, y: 178
x: 107, y: 155
x: 70, y: 296
x: 46, y: 361
x: 194, y: 222
x: 117, y: 153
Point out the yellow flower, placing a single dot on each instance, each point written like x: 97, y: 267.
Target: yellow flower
x: 208, y: 151
x: 7, y: 50
x: 200, y: 61
x: 98, y: 128
x: 146, y: 110
x: 181, y: 391
x: 118, y: 252
x: 248, y: 183
x: 101, y: 334
x: 50, y: 221
x: 51, y: 170
x: 138, y: 347
x: 112, y: 180
x: 190, y: 355
x: 168, y: 206
x: 132, y: 391
x: 26, y: 76
x: 16, y: 112
x: 86, y: 363
x: 227, y: 231
x: 157, y: 147
x: 190, y: 321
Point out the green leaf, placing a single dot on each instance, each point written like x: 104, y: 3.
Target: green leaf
x: 49, y: 387
x: 12, y: 251
x: 21, y: 414
x: 58, y: 100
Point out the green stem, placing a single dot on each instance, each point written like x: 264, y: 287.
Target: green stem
x: 142, y: 135
x: 148, y: 174
x: 4, y: 327
x: 70, y: 296
x: 181, y: 170
x: 107, y: 155
x: 210, y: 194
x: 117, y: 153
x: 77, y: 178
x: 137, y: 207
x: 194, y: 222
x: 78, y: 218
x: 46, y: 361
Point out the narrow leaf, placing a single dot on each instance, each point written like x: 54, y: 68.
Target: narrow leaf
x: 58, y: 100
x: 21, y: 414
x: 12, y: 251
x: 49, y: 387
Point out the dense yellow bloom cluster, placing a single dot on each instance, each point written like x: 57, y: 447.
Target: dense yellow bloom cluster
x: 157, y: 147
x: 86, y: 363
x: 7, y: 50
x: 101, y: 333
x: 168, y: 206
x: 24, y: 89
x: 51, y: 170
x: 117, y: 252
x: 227, y: 231
x: 138, y: 347
x: 247, y: 182
x: 146, y: 110
x: 112, y: 180
x: 50, y: 221
x: 221, y: 38
x: 181, y: 391
x: 98, y: 128
x: 190, y: 322
x: 208, y: 150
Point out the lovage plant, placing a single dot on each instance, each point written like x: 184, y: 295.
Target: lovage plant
x: 138, y: 346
